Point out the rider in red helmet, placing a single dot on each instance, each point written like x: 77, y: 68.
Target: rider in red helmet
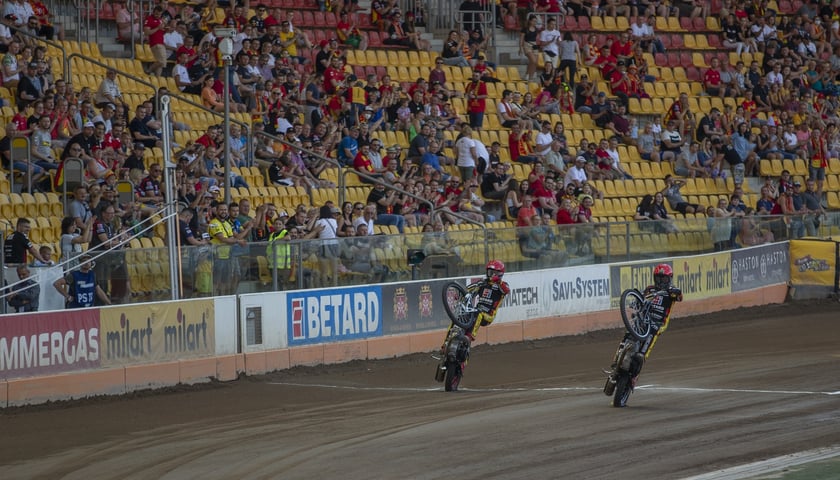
x: 492, y: 290
x: 660, y: 310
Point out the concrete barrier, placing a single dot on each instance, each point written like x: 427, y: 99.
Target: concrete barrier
x: 228, y: 367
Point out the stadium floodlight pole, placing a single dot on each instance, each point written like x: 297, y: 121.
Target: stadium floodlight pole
x: 226, y: 49
x: 171, y: 198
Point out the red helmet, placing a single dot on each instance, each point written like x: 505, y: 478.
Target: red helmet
x: 662, y: 275
x: 495, y: 270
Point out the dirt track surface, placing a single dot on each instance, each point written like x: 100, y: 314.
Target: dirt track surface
x: 718, y: 391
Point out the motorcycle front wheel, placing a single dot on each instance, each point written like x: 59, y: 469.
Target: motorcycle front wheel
x: 453, y: 376
x: 623, y: 387
x: 454, y: 302
x: 636, y: 322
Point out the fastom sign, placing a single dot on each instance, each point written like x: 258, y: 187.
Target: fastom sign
x: 323, y: 316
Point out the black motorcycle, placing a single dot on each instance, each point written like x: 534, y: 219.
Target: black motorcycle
x: 628, y: 361
x: 459, y: 303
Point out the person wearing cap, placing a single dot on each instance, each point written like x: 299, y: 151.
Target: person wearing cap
x: 31, y: 87
x: 108, y: 91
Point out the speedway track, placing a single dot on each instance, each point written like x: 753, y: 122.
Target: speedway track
x: 719, y: 390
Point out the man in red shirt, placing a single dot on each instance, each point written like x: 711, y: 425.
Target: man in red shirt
x: 711, y: 80
x: 154, y: 28
x: 622, y: 47
x: 620, y: 82
x: 362, y: 163
x: 476, y: 93
x: 333, y: 75
x: 520, y: 148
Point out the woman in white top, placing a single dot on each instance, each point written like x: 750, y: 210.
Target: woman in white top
x: 467, y: 156
x: 327, y: 228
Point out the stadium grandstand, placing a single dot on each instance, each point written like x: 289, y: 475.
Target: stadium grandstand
x: 345, y: 142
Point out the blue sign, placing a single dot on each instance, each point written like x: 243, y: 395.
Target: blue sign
x: 334, y: 315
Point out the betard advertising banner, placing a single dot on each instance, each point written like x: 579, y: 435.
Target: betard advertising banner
x: 156, y: 332
x: 334, y: 315
x: 562, y: 291
x: 813, y: 262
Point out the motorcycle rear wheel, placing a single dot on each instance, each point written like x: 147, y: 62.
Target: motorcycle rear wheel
x: 453, y: 376
x: 636, y: 323
x: 623, y: 387
x: 454, y: 295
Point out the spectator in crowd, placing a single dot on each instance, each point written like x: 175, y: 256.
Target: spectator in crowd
x: 79, y: 287
x: 25, y: 296
x: 18, y: 245
x: 671, y: 192
x: 383, y: 201
x: 154, y: 28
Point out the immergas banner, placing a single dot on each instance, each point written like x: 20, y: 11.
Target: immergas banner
x: 334, y: 315
x: 562, y: 291
x: 760, y: 266
x: 39, y: 344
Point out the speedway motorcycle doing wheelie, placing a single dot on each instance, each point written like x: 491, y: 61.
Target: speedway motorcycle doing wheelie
x: 645, y: 316
x: 460, y: 306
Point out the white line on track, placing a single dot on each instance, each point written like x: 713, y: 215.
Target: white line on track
x: 771, y: 465
x: 651, y: 387
x: 433, y: 389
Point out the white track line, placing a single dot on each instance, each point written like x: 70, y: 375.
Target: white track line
x: 770, y: 465
x: 433, y: 389
x: 651, y: 387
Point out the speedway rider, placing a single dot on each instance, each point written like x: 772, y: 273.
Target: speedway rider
x: 664, y: 295
x: 491, y: 291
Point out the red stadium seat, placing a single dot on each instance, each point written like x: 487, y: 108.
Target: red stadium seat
x: 674, y: 59
x: 584, y: 24
x: 692, y: 73
x: 306, y: 19
x: 685, y: 24
x: 660, y: 59
x: 698, y: 24
x: 676, y: 40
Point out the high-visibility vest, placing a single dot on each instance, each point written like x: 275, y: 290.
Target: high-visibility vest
x: 278, y: 252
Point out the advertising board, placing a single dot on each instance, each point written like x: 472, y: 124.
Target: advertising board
x: 333, y: 315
